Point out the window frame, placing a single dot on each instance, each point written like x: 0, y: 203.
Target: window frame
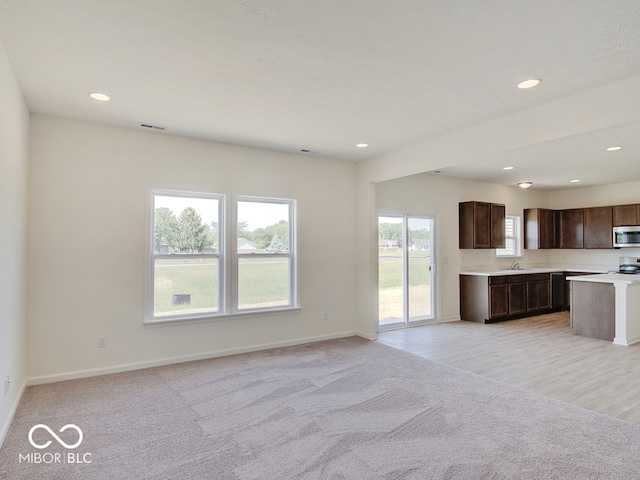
x: 220, y: 255
x: 228, y: 259
x: 291, y: 255
x: 516, y: 238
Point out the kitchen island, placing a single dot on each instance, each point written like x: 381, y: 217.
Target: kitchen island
x: 606, y: 306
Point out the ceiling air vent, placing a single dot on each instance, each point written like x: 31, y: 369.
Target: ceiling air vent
x: 155, y: 127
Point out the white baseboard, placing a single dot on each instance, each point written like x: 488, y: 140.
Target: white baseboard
x: 626, y: 342
x: 367, y: 336
x: 454, y: 318
x: 185, y: 358
x: 12, y: 412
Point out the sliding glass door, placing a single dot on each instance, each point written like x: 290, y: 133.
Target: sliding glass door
x: 405, y: 270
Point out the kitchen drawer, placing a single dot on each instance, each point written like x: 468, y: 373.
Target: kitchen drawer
x: 518, y: 278
x: 499, y: 280
x: 537, y: 277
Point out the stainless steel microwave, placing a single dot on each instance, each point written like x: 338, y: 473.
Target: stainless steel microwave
x: 626, y: 237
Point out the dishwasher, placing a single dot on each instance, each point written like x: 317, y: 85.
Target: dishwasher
x: 558, y: 290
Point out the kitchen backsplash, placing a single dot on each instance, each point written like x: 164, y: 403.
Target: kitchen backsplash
x: 609, y: 259
x: 477, y: 258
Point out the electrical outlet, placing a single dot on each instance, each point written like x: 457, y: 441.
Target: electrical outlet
x: 7, y: 382
x: 325, y: 317
x: 102, y: 342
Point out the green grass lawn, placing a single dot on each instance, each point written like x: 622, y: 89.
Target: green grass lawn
x: 390, y: 284
x: 262, y: 282
x: 390, y: 269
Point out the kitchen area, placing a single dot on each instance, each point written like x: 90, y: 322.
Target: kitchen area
x: 540, y: 352
x: 604, y: 301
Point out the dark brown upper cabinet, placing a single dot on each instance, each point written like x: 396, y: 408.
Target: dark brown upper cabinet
x: 498, y: 217
x: 572, y: 228
x: 598, y: 227
x: 481, y: 225
x: 626, y: 215
x: 576, y: 227
x: 540, y: 226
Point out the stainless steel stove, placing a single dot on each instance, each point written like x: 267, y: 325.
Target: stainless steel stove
x: 629, y: 266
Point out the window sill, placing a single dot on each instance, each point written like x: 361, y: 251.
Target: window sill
x: 160, y: 322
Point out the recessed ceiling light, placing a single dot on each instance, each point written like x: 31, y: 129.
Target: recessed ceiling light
x: 508, y: 168
x: 362, y: 145
x: 613, y: 149
x: 101, y: 97
x: 529, y: 83
x: 575, y: 181
x: 525, y: 184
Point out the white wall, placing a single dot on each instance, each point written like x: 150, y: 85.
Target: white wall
x: 438, y: 195
x: 89, y: 213
x: 14, y: 128
x: 619, y: 194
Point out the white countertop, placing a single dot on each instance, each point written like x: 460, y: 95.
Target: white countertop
x: 611, y: 278
x: 492, y: 271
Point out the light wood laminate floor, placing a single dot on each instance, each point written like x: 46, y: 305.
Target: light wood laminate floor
x: 539, y: 353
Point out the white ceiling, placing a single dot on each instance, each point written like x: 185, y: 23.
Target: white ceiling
x: 291, y: 75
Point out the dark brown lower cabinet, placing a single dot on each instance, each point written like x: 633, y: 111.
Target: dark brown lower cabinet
x: 499, y: 301
x: 487, y: 299
x: 517, y: 295
x: 538, y: 292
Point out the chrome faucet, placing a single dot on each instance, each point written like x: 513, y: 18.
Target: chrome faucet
x: 514, y: 265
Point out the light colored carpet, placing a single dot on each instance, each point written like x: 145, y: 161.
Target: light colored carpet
x: 343, y: 409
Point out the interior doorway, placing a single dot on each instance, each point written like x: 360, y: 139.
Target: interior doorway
x: 406, y: 270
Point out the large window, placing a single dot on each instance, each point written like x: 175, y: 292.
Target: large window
x: 205, y: 266
x: 512, y: 238
x: 264, y: 258
x: 187, y: 269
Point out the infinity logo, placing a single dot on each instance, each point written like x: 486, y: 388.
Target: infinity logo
x: 60, y: 441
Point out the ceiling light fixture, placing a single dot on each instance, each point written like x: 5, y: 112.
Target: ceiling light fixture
x: 101, y: 97
x: 525, y: 184
x: 362, y: 145
x: 529, y: 83
x: 508, y: 168
x: 614, y: 149
x: 574, y: 181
